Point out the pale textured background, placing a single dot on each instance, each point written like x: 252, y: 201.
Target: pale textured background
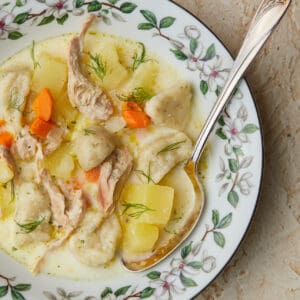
x: 267, y: 265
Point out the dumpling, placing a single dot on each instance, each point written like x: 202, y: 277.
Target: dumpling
x: 171, y: 108
x: 162, y: 151
x: 32, y: 215
x: 14, y: 87
x: 95, y: 242
x: 93, y: 145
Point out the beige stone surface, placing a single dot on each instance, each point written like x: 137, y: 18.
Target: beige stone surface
x: 267, y: 265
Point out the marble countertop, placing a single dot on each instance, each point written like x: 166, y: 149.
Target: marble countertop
x: 267, y: 264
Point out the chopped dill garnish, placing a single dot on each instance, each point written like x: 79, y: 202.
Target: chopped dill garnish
x: 171, y: 147
x: 139, y: 95
x: 32, y: 55
x: 87, y: 131
x: 98, y: 66
x: 140, y: 58
x: 138, y: 208
x: 147, y: 176
x: 14, y: 102
x: 29, y: 227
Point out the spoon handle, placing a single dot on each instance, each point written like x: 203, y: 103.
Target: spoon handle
x: 264, y: 22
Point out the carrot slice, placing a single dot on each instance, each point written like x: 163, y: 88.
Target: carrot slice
x: 6, y: 139
x: 2, y: 122
x: 93, y: 175
x: 40, y: 128
x: 43, y: 105
x: 134, y: 115
x: 131, y: 105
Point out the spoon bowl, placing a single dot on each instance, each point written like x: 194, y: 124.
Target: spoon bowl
x: 186, y: 227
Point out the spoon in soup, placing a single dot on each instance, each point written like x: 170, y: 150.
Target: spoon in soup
x: 263, y: 24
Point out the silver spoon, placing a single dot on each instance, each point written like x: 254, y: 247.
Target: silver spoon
x: 263, y: 24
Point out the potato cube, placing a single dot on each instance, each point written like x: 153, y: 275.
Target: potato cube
x: 157, y: 201
x: 60, y: 163
x: 63, y: 112
x: 7, y: 204
x: 140, y: 237
x: 51, y: 73
x: 115, y: 73
x: 6, y: 173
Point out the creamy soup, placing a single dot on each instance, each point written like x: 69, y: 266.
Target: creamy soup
x: 94, y: 130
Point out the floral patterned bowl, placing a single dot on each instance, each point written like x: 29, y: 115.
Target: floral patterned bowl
x: 234, y: 173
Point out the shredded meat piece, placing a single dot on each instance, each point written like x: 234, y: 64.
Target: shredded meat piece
x: 113, y: 173
x: 83, y: 94
x: 39, y: 156
x: 57, y: 199
x: 26, y: 145
x: 67, y: 205
x: 74, y: 204
x: 54, y: 139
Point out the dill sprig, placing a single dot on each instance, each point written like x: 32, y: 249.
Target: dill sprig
x: 14, y: 102
x: 32, y: 55
x: 98, y: 65
x: 29, y: 227
x: 87, y: 131
x: 140, y: 58
x: 139, y: 95
x: 171, y: 147
x: 147, y: 176
x: 138, y: 208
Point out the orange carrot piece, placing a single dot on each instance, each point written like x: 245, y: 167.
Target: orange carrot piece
x: 130, y: 105
x: 43, y: 105
x: 40, y: 128
x: 93, y: 175
x: 136, y: 119
x: 6, y: 139
x: 2, y: 122
x: 134, y: 115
